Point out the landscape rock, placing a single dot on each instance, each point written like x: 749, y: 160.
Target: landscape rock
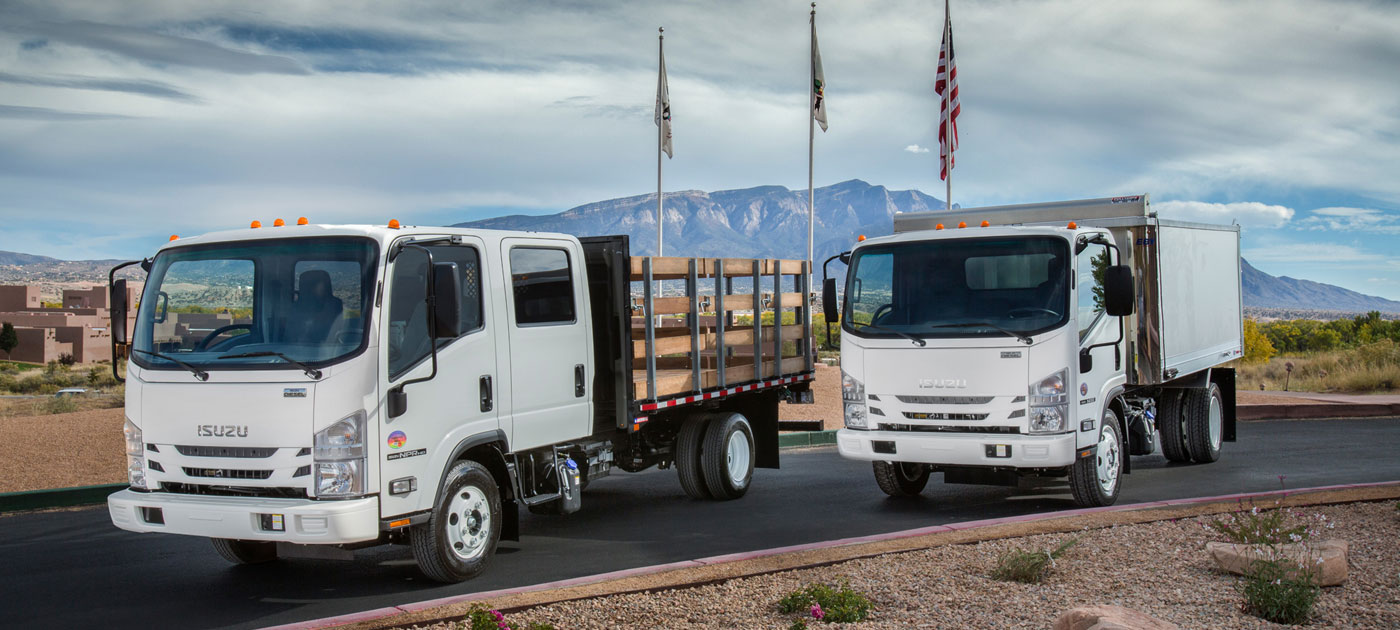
x: 1236, y: 558
x: 1105, y: 617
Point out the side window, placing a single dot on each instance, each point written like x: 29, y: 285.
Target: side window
x: 543, y: 285
x: 409, y: 342
x: 1089, y: 266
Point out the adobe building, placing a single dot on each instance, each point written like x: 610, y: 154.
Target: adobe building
x: 80, y: 328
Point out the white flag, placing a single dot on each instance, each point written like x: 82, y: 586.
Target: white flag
x: 818, y: 79
x: 663, y: 108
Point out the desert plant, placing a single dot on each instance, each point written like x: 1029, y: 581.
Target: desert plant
x: 66, y: 359
x: 61, y: 404
x: 830, y: 604
x: 1260, y: 527
x: 1030, y: 567
x: 1276, y: 591
x: 479, y: 617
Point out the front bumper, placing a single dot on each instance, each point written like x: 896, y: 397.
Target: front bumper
x: 240, y: 518
x: 1027, y: 451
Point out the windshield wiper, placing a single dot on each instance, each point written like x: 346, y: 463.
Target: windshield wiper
x: 917, y: 341
x: 1019, y: 337
x: 198, y: 373
x: 310, y: 371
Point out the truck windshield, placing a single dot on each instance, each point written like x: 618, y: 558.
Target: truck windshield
x: 959, y: 288
x: 274, y: 304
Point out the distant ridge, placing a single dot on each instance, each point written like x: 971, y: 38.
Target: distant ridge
x: 16, y: 258
x: 1266, y: 291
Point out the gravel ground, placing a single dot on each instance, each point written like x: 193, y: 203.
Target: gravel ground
x: 80, y: 449
x: 1159, y: 568
x: 826, y: 390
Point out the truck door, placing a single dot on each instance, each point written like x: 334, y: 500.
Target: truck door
x: 1095, y: 327
x: 447, y: 409
x: 549, y: 342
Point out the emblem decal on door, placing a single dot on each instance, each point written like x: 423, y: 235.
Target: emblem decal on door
x: 1083, y: 389
x: 403, y: 454
x: 397, y: 439
x: 294, y: 392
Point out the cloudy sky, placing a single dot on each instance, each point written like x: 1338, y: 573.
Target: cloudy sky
x: 124, y: 122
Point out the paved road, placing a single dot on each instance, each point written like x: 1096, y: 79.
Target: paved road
x: 74, y: 569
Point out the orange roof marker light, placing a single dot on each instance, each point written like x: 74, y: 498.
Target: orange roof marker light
x: 255, y: 225
x: 986, y: 224
x: 302, y: 221
x: 938, y: 227
x: 962, y: 224
x: 1073, y: 225
x: 174, y: 237
x: 393, y: 224
x: 278, y: 223
x: 860, y: 238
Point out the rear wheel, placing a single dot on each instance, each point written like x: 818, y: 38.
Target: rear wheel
x: 688, y: 444
x: 460, y: 537
x: 245, y: 551
x: 901, y: 479
x: 1095, y: 481
x: 727, y: 456
x: 1204, y: 415
x: 1169, y: 424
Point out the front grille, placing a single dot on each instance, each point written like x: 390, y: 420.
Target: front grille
x: 919, y: 415
x: 247, y: 452
x: 947, y: 429
x: 227, y: 473
x: 945, y: 400
x: 233, y: 491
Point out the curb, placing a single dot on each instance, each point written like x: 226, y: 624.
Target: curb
x: 62, y: 497
x: 1315, y: 411
x: 381, y: 614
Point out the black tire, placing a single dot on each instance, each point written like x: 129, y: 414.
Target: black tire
x: 1085, y: 480
x: 726, y: 477
x: 245, y: 551
x: 442, y: 554
x: 1203, y: 439
x: 688, y: 447
x: 1169, y: 424
x: 901, y: 479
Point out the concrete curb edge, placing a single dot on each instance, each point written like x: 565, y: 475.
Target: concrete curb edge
x: 60, y: 497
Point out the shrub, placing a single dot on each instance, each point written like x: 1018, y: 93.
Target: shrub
x: 62, y: 404
x: 1029, y: 567
x: 480, y: 617
x: 66, y: 359
x: 827, y: 603
x: 1260, y: 527
x: 1274, y: 590
x: 7, y: 382
x: 30, y: 384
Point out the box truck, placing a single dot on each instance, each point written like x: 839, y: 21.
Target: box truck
x: 995, y: 345
x: 307, y: 390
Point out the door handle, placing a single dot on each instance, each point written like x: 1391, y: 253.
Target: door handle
x: 486, y: 393
x: 579, y: 389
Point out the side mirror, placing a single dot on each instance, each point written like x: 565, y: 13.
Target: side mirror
x: 1086, y: 361
x: 397, y: 404
x: 116, y: 300
x: 162, y: 307
x: 447, y: 301
x: 1118, y: 291
x: 829, y: 299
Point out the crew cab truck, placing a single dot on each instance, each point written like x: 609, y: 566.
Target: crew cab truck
x: 307, y: 390
x: 1000, y: 344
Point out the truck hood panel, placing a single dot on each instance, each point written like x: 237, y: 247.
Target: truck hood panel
x: 227, y: 414
x: 947, y: 372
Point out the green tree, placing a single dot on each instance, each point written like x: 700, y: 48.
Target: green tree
x: 1323, y: 339
x: 9, y: 339
x: 1257, y: 347
x: 1283, y: 335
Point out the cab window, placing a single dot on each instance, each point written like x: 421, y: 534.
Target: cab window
x: 542, y: 283
x: 1090, y: 265
x: 408, y: 315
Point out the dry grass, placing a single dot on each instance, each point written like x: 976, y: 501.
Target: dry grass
x: 44, y: 405
x: 1370, y: 368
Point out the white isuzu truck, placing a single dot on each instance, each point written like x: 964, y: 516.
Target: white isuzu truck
x: 998, y: 344
x: 306, y: 390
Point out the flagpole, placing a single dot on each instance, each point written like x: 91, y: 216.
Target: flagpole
x: 948, y: 103
x: 811, y: 142
x: 660, y: 143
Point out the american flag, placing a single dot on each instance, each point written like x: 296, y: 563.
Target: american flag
x: 947, y: 80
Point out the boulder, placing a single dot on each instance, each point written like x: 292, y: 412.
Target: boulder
x: 1105, y: 617
x: 1328, y: 556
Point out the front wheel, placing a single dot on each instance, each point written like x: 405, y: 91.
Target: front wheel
x: 245, y: 551
x: 1095, y: 480
x: 460, y: 537
x: 901, y: 479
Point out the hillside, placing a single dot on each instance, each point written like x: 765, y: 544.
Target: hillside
x: 1282, y: 292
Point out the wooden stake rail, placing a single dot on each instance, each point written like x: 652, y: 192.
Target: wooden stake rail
x: 713, y: 349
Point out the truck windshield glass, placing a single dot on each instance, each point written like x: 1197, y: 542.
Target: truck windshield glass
x: 246, y: 305
x: 959, y: 288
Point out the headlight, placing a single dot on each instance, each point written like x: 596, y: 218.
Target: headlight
x: 135, y: 456
x: 1049, y: 404
x: 339, y: 458
x: 853, y: 395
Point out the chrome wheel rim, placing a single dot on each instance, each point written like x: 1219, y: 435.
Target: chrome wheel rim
x: 1217, y: 423
x: 468, y: 522
x: 737, y: 457
x: 1108, y: 459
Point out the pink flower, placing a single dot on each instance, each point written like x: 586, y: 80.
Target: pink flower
x: 497, y: 614
x: 817, y: 612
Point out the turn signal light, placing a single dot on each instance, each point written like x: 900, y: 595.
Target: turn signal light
x: 393, y: 224
x: 986, y: 223
x: 860, y: 238
x: 255, y: 225
x: 278, y: 223
x: 302, y: 221
x: 938, y: 227
x: 962, y: 224
x: 1073, y: 225
x: 174, y: 237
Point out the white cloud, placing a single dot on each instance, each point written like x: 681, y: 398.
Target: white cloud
x: 1311, y: 253
x: 1246, y: 213
x: 914, y: 148
x: 1352, y: 220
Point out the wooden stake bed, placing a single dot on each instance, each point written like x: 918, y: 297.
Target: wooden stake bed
x: 701, y: 336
